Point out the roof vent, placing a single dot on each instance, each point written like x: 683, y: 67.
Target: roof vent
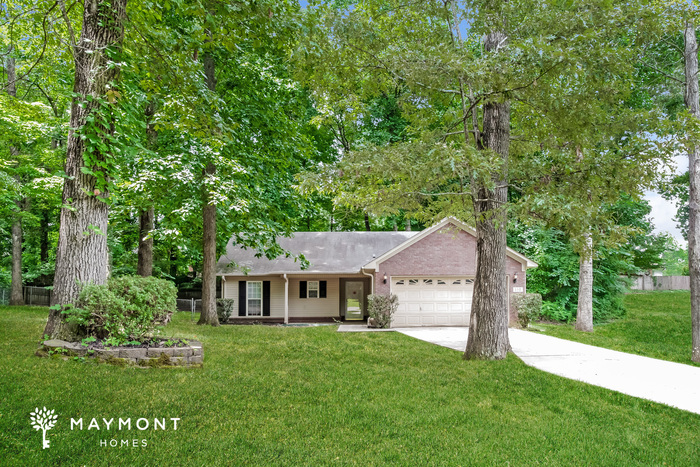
x: 373, y: 256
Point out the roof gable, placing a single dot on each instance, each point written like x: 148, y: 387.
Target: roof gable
x: 442, y: 225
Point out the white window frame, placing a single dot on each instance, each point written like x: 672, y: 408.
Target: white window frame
x: 248, y: 298
x: 310, y: 288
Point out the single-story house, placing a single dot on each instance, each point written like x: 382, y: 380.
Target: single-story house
x: 432, y: 273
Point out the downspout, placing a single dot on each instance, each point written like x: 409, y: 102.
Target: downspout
x: 223, y: 286
x: 371, y: 275
x: 371, y: 286
x: 286, y: 298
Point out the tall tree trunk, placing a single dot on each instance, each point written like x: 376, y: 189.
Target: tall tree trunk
x: 367, y: 226
x: 693, y: 104
x: 44, y: 235
x: 488, y: 326
x: 144, y: 267
x: 209, y: 315
x: 82, y: 243
x: 407, y: 225
x: 584, y: 313
x: 16, y: 297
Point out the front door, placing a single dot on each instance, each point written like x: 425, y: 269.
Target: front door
x: 354, y: 298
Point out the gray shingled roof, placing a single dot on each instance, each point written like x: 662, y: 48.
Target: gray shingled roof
x: 328, y: 252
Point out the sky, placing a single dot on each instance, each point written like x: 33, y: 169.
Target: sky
x: 662, y: 211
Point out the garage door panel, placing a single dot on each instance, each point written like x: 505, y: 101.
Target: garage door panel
x: 432, y: 301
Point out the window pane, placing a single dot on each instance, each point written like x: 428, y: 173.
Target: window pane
x: 313, y: 289
x: 254, y: 290
x: 254, y: 307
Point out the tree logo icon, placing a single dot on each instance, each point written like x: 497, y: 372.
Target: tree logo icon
x: 43, y: 420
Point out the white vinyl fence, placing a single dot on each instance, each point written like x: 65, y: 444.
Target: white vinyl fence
x: 660, y: 283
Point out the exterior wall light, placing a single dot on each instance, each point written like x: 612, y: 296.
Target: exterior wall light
x: 385, y: 278
x: 515, y: 278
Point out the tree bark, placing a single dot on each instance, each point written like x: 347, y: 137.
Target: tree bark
x: 16, y: 296
x: 81, y: 256
x: 367, y: 226
x: 44, y: 235
x: 488, y: 326
x: 584, y: 313
x: 693, y: 104
x: 144, y: 266
x: 209, y: 315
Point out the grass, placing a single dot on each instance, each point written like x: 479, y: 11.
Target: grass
x: 312, y: 396
x: 657, y: 325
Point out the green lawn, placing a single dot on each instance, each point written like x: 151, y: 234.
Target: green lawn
x: 312, y: 396
x: 657, y: 324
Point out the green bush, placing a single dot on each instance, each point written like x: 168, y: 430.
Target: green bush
x: 126, y: 309
x: 224, y: 308
x: 528, y: 306
x: 556, y: 312
x: 381, y: 308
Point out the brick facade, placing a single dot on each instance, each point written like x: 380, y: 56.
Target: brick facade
x: 448, y: 252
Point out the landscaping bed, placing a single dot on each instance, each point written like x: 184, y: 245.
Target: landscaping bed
x: 155, y: 353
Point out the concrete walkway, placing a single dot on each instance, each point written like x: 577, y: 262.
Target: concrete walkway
x: 669, y: 383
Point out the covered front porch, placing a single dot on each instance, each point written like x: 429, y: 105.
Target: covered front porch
x: 290, y: 298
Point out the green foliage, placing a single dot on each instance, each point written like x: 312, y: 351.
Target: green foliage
x: 529, y: 307
x: 381, y: 308
x: 675, y: 260
x: 225, y: 308
x: 125, y: 310
x: 556, y: 312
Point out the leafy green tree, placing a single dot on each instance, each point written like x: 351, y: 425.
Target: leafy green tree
x: 489, y: 106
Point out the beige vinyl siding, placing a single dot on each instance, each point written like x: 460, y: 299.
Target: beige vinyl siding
x: 314, y: 307
x: 276, y: 293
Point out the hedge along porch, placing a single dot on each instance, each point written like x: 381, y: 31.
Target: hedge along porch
x: 431, y: 271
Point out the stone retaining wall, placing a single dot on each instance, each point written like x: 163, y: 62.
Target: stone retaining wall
x: 191, y: 355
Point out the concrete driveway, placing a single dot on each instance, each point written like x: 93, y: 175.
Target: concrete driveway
x: 669, y: 383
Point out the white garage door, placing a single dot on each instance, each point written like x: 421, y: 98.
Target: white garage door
x: 432, y: 301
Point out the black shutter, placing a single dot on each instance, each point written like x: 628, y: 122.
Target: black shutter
x: 266, y: 298
x: 322, y: 289
x: 241, y: 298
x: 302, y: 289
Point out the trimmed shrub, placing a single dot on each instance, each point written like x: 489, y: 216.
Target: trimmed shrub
x: 528, y: 307
x: 126, y: 309
x: 381, y: 308
x: 224, y: 308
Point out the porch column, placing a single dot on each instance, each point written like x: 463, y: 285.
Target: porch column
x: 286, y: 299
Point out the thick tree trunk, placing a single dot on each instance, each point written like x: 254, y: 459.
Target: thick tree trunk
x: 407, y: 225
x: 144, y: 267
x: 209, y: 315
x: 81, y: 256
x: 367, y: 226
x: 488, y: 326
x: 584, y: 313
x: 693, y: 104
